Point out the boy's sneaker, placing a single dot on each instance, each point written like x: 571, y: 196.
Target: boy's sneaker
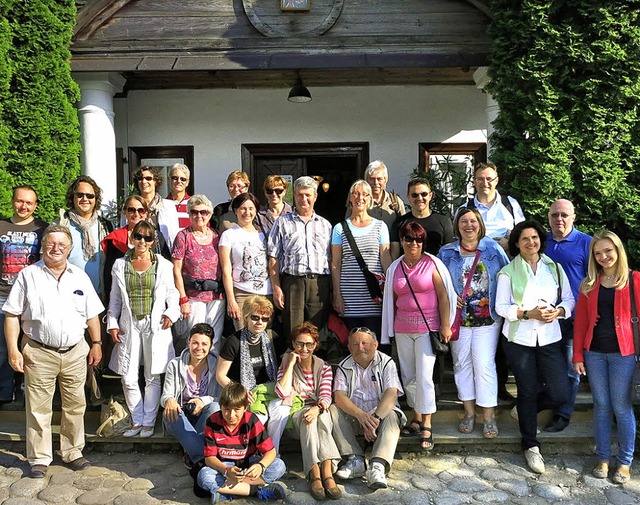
x: 375, y: 477
x: 273, y: 491
x: 534, y: 459
x: 353, y: 468
x: 218, y: 497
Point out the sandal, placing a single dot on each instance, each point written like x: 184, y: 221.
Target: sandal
x: 426, y: 440
x: 467, y: 424
x: 333, y: 492
x: 411, y: 430
x: 316, y: 492
x: 490, y: 429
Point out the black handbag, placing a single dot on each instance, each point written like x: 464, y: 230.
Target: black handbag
x: 635, y: 381
x: 439, y: 347
x: 373, y: 283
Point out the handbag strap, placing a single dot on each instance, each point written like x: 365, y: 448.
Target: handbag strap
x: 634, y: 317
x: 354, y: 246
x: 471, y: 272
x: 415, y: 298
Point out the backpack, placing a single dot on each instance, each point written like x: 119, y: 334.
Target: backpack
x: 471, y: 204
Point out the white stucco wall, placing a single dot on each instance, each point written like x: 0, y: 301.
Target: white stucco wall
x: 393, y: 119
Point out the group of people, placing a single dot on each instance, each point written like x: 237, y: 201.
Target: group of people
x: 488, y: 282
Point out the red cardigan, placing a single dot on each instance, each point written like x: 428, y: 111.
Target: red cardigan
x: 586, y: 317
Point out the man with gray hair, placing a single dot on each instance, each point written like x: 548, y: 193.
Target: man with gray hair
x: 178, y: 181
x: 55, y: 301
x: 386, y: 206
x: 299, y: 249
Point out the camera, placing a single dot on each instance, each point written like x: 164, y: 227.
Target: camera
x: 189, y: 407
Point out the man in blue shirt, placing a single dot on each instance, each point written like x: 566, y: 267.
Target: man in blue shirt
x: 570, y: 248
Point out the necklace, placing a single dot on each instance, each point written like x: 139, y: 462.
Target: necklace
x: 468, y: 250
x: 410, y: 263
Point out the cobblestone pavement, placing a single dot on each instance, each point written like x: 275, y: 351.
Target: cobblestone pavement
x: 438, y: 479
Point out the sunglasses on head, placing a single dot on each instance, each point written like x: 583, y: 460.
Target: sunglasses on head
x: 271, y: 191
x: 140, y: 236
x: 203, y: 213
x: 88, y: 196
x: 145, y: 178
x: 424, y: 194
x: 175, y: 178
x: 256, y: 318
x: 418, y: 240
x: 133, y: 210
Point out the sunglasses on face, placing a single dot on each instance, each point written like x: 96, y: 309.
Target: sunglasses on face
x: 146, y: 238
x: 133, y: 210
x: 256, y: 318
x: 418, y: 240
x: 88, y: 196
x: 271, y: 191
x: 175, y: 178
x: 203, y: 213
x: 424, y: 194
x: 145, y: 178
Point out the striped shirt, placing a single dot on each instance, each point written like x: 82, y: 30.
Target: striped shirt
x: 303, y: 248
x: 140, y: 286
x: 353, y: 286
x: 322, y: 392
x: 237, y: 446
x: 183, y: 213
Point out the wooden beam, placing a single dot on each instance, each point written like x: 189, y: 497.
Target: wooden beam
x: 482, y: 6
x: 94, y: 15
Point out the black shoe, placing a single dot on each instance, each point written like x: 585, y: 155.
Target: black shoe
x: 505, y: 396
x: 557, y: 424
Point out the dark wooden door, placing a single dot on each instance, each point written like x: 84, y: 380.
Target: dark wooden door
x: 293, y: 166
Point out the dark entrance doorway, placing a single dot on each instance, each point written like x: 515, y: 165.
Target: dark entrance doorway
x: 335, y: 166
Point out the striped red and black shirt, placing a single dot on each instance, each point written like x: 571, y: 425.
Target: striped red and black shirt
x: 249, y: 437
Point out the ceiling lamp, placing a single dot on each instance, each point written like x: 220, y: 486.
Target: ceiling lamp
x: 299, y: 94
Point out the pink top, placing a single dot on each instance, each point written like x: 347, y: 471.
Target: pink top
x: 198, y: 261
x: 408, y: 318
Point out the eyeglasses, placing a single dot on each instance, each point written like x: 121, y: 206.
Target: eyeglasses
x: 145, y: 178
x: 175, y: 178
x: 196, y: 212
x: 237, y: 186
x: 146, y: 238
x: 485, y: 179
x: 418, y: 240
x: 563, y: 215
x: 256, y: 318
x: 88, y: 196
x: 424, y: 194
x: 271, y: 191
x: 139, y: 210
x: 51, y: 247
x: 304, y: 345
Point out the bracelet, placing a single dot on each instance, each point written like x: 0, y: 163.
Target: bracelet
x: 320, y: 408
x: 264, y: 468
x: 376, y: 416
x: 184, y: 299
x: 96, y: 342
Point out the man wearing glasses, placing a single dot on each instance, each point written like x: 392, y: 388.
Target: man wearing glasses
x: 570, y: 248
x: 439, y: 228
x: 20, y: 237
x: 55, y: 302
x: 500, y: 213
x: 178, y: 182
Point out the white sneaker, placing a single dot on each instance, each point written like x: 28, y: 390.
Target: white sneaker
x: 353, y: 468
x: 132, y: 432
x: 534, y: 459
x: 375, y: 477
x: 147, y: 432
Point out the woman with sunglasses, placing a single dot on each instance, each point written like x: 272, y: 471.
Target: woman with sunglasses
x: 351, y: 297
x: 474, y: 366
x: 142, y: 308
x: 243, y: 258
x: 418, y: 291
x: 302, y: 373
x: 162, y: 213
x: 603, y: 349
x: 197, y: 274
x: 275, y: 187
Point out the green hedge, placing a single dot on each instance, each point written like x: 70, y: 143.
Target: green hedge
x: 39, y: 131
x: 566, y: 75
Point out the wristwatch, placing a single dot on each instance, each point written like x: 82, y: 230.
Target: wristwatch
x: 525, y: 315
x: 377, y: 416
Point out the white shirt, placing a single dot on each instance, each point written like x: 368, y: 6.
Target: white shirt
x: 53, y: 312
x: 497, y: 218
x: 540, y: 286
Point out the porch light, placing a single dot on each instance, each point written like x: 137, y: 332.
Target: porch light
x: 299, y: 94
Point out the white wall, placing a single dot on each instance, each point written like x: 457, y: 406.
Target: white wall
x: 393, y: 119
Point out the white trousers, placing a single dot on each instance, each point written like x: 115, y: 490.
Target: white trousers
x: 474, y: 364
x: 212, y: 313
x: 143, y: 410
x: 416, y: 369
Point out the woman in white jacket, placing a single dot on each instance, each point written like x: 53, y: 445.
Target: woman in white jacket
x: 142, y: 308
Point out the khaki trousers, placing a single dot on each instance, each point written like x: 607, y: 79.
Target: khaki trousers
x: 345, y: 429
x: 42, y: 367
x: 316, y: 440
x: 305, y: 299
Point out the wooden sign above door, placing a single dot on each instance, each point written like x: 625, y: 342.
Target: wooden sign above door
x: 273, y: 19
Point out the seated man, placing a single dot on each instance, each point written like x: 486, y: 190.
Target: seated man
x: 366, y: 390
x: 239, y: 456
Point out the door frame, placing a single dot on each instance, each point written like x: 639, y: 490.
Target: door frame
x: 138, y: 153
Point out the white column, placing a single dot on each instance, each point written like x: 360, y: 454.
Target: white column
x: 95, y: 111
x: 482, y: 79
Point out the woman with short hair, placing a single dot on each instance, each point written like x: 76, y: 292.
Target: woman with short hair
x: 223, y: 217
x: 275, y: 188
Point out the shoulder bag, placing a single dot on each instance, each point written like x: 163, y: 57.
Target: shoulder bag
x: 635, y: 381
x: 373, y: 282
x: 455, y: 328
x: 438, y: 346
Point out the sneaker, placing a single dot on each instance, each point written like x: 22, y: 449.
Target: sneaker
x: 187, y: 461
x: 218, y: 497
x: 133, y: 431
x: 273, y: 491
x: 353, y: 468
x: 534, y: 459
x: 147, y: 432
x: 375, y: 477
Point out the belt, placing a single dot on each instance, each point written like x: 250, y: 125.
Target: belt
x: 306, y: 276
x: 140, y: 318
x: 59, y: 350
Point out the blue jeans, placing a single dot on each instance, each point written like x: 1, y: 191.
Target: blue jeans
x: 189, y: 430
x: 566, y: 409
x: 212, y: 480
x: 7, y: 375
x: 610, y: 377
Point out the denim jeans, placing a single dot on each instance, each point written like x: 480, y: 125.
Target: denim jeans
x: 529, y: 366
x: 566, y: 409
x: 189, y: 430
x: 610, y: 380
x: 211, y: 480
x: 7, y: 376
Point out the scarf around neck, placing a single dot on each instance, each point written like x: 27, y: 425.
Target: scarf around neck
x: 247, y: 375
x: 89, y: 247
